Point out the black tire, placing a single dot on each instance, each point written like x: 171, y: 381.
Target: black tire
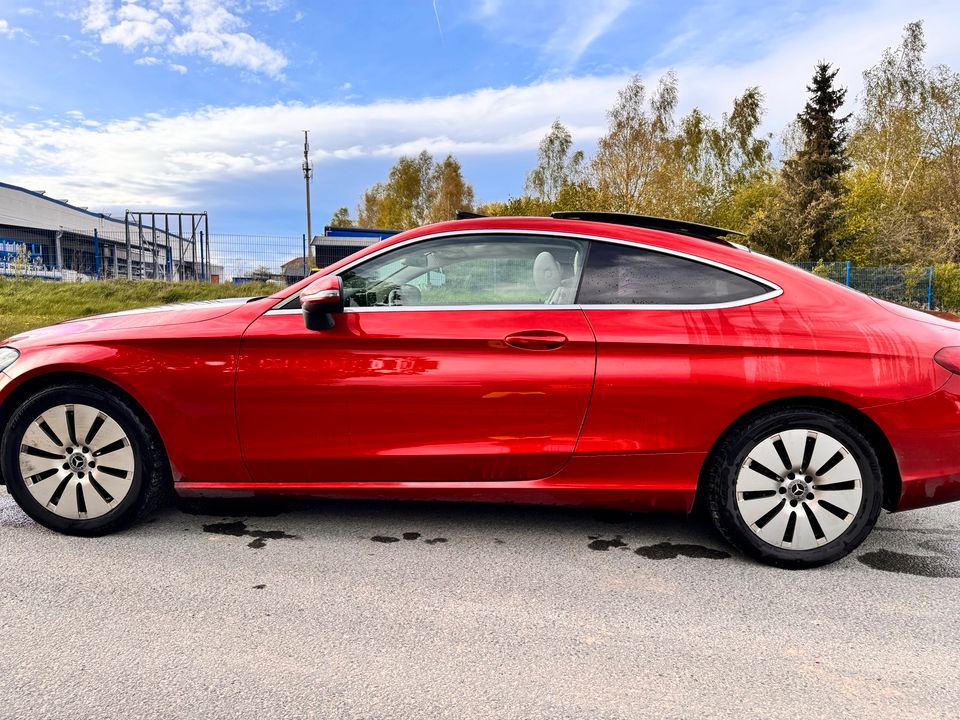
x: 727, y: 460
x: 150, y: 470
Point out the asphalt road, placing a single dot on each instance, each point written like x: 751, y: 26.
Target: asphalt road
x: 375, y: 610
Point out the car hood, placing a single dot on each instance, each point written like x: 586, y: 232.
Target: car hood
x: 156, y: 316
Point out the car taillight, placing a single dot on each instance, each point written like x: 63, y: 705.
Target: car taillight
x: 949, y: 358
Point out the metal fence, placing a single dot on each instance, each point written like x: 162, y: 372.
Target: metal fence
x: 907, y: 284
x: 144, y: 253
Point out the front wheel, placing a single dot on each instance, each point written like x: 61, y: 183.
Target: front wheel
x: 81, y: 461
x: 796, y: 488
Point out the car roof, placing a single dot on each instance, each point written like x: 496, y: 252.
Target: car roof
x: 715, y: 250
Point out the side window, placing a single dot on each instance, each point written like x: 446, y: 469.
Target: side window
x: 469, y: 270
x: 623, y: 275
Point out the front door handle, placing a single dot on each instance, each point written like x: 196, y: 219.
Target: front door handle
x: 536, y: 340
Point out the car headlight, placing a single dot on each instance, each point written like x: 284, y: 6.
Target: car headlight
x: 7, y: 356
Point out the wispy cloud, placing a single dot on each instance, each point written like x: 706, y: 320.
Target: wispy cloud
x: 436, y: 14
x: 211, y: 29
x: 574, y: 25
x: 587, y: 21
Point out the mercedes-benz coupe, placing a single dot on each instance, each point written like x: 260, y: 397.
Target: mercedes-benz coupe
x: 582, y: 359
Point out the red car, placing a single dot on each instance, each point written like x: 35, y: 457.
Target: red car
x: 583, y: 359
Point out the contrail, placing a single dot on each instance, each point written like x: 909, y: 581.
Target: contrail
x: 437, y: 15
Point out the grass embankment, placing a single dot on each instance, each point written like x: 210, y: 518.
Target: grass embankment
x: 26, y: 304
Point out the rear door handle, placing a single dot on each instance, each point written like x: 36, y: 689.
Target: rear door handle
x: 536, y: 340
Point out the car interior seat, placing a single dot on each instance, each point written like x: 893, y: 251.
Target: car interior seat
x: 548, y: 276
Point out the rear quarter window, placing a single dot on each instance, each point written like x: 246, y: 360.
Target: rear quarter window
x: 624, y: 275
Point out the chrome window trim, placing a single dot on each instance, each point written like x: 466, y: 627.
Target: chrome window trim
x: 775, y: 290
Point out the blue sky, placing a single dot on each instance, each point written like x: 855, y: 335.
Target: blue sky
x: 200, y: 104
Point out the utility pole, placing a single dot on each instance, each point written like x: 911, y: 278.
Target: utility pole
x: 307, y: 174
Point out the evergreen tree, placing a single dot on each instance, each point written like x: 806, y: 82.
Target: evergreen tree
x: 812, y: 178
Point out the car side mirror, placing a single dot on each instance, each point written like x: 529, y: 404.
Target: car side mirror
x: 321, y: 300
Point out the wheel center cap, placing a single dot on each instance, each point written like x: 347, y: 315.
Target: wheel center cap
x: 798, y: 489
x: 77, y: 462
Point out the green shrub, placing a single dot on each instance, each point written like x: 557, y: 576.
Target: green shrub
x: 946, y: 286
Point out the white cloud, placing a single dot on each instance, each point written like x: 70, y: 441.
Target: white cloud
x: 168, y: 161
x: 8, y: 31
x: 147, y: 60
x: 213, y: 29
x: 135, y: 26
x: 98, y: 15
x: 182, y: 69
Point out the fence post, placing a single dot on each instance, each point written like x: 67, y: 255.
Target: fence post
x: 304, y: 255
x: 848, y: 274
x: 930, y: 288
x: 203, y: 262
x: 96, y: 252
x: 126, y: 230
x: 58, y: 244
x: 206, y: 232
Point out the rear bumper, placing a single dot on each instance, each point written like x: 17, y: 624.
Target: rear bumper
x: 925, y: 436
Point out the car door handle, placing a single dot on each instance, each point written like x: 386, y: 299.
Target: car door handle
x: 536, y: 340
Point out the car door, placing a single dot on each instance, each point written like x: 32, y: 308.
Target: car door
x: 458, y: 358
x: 678, y: 339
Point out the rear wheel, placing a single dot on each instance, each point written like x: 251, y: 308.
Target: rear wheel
x: 795, y: 488
x: 81, y: 461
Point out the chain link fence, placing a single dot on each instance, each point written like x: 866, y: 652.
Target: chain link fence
x: 914, y: 285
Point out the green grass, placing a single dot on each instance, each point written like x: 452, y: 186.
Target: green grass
x: 27, y: 304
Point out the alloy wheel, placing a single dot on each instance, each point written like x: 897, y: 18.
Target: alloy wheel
x: 76, y: 461
x: 799, y: 489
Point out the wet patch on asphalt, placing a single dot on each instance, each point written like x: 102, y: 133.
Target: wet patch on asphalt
x: 409, y: 536
x: 601, y: 545
x: 239, y: 529
x: 669, y: 551
x: 944, y: 563
x: 660, y: 551
x: 385, y: 539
